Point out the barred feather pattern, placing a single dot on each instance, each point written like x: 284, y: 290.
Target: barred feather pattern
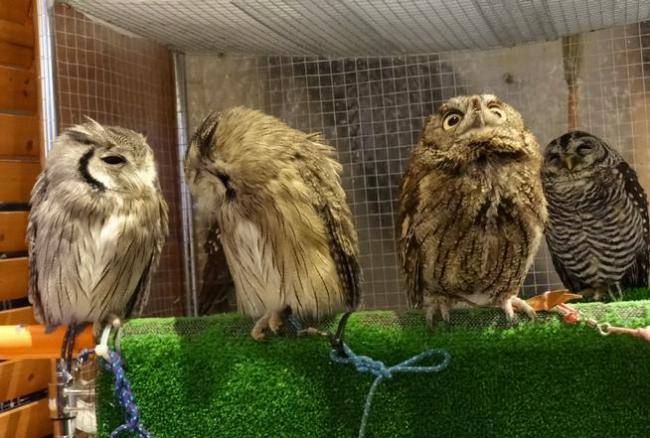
x: 92, y: 250
x: 286, y: 229
x: 472, y: 210
x: 598, y: 219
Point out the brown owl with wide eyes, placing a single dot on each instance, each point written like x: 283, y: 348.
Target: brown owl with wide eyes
x: 472, y: 209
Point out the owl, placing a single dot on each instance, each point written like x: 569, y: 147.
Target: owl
x: 96, y: 227
x: 285, y: 228
x: 471, y: 208
x: 597, y: 230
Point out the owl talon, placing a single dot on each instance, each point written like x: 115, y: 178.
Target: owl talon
x: 275, y: 322
x: 258, y: 329
x: 521, y: 306
x: 433, y: 308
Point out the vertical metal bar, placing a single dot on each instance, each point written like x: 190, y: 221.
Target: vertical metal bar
x: 186, y: 202
x: 47, y: 69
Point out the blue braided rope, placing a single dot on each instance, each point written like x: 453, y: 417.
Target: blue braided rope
x: 365, y: 364
x: 123, y: 394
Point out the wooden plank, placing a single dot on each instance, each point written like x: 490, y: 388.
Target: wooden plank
x: 13, y: 228
x: 19, y: 315
x: 22, y: 377
x: 17, y: 179
x: 21, y: 34
x: 18, y: 90
x: 14, y: 274
x: 29, y: 421
x: 15, y: 55
x: 20, y: 135
x: 15, y: 10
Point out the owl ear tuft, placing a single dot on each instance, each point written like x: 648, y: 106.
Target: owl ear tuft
x: 204, y: 134
x: 94, y: 123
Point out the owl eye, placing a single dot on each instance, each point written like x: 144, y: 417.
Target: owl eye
x: 583, y: 149
x: 450, y: 120
x: 497, y: 110
x: 553, y: 157
x: 114, y: 160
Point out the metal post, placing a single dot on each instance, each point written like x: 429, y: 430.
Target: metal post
x: 186, y: 202
x: 47, y: 70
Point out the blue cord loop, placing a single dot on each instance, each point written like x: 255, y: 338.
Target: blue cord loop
x: 123, y: 393
x: 365, y: 364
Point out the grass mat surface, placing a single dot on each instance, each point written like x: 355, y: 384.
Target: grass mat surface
x: 204, y: 377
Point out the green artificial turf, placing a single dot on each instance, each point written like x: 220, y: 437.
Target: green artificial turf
x: 533, y: 379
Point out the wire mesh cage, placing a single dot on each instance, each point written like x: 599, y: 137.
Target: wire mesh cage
x: 365, y: 75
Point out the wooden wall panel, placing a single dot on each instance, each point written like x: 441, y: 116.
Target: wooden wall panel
x: 28, y: 421
x: 15, y: 33
x: 16, y: 11
x: 17, y: 179
x: 20, y: 315
x: 20, y: 135
x: 13, y: 228
x: 18, y: 90
x: 22, y: 377
x: 14, y: 274
x: 16, y: 56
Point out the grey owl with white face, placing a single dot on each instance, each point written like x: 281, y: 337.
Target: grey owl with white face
x: 598, y: 216
x: 97, y: 225
x: 472, y: 210
x: 285, y: 227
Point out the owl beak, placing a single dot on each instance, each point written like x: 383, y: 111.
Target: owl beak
x: 478, y: 121
x: 569, y: 163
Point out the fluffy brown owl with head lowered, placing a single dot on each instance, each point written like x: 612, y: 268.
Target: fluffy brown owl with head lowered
x: 472, y: 210
x: 285, y: 227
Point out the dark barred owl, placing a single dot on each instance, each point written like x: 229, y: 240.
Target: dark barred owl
x: 472, y: 210
x: 598, y: 216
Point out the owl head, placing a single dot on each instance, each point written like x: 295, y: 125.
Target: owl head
x: 576, y: 153
x: 239, y: 151
x: 102, y: 160
x: 474, y: 130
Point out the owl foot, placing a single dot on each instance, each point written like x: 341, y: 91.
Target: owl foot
x: 435, y: 307
x: 112, y: 319
x: 517, y: 304
x: 272, y: 320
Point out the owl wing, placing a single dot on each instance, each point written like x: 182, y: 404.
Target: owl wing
x: 38, y: 195
x: 410, y: 250
x: 141, y: 294
x: 329, y: 202
x: 343, y: 251
x: 637, y: 274
x: 217, y: 285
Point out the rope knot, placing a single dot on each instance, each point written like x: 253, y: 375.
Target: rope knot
x: 365, y: 364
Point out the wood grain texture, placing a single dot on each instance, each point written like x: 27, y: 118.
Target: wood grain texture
x: 28, y: 421
x: 17, y: 179
x: 13, y: 279
x: 13, y: 228
x: 16, y: 56
x: 18, y: 90
x: 22, y: 377
x: 17, y: 11
x: 20, y: 135
x: 15, y: 33
x: 20, y: 315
